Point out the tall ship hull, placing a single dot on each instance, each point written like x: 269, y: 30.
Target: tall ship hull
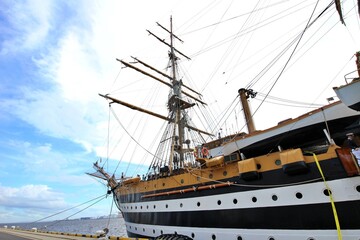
x: 295, y: 180
x: 281, y: 195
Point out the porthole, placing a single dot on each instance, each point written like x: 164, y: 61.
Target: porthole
x: 254, y: 199
x: 153, y: 231
x: 147, y: 206
x: 211, y: 176
x: 277, y: 162
x: 310, y: 238
x: 135, y: 228
x: 299, y: 195
x: 193, y: 235
x: 182, y: 181
x: 198, y: 204
x: 219, y: 202
x: 162, y: 232
x: 154, y: 206
x: 131, y: 207
x: 143, y: 229
x: 213, y: 237
x: 239, y: 238
x: 271, y: 238
x: 166, y: 206
x: 224, y: 173
x: 326, y: 192
x: 141, y: 207
x: 358, y: 188
x: 135, y: 207
x: 163, y: 184
x: 258, y: 166
x: 181, y: 205
x: 235, y: 201
x: 175, y: 233
x: 274, y: 197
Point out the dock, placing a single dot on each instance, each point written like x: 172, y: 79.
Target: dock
x: 17, y: 234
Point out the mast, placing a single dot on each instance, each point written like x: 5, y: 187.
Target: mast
x: 244, y: 95
x: 171, y: 152
x: 177, y: 141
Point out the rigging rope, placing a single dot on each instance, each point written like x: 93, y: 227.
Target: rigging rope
x: 56, y: 222
x: 280, y: 74
x: 287, y: 62
x: 336, y: 218
x: 68, y: 209
x: 108, y: 223
x: 146, y: 150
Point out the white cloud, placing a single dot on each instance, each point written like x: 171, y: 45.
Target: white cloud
x: 28, y: 24
x: 40, y: 162
x: 74, y: 69
x: 31, y: 196
x: 60, y: 118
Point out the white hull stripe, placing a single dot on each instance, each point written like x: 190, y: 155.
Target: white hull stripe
x: 313, y: 193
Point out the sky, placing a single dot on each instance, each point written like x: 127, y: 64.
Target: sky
x: 56, y: 56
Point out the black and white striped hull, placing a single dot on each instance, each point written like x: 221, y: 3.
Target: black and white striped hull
x: 299, y: 211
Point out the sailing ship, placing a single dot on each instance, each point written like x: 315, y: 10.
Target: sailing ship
x: 291, y: 181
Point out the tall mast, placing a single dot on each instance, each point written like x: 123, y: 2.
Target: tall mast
x: 176, y: 105
x: 177, y: 142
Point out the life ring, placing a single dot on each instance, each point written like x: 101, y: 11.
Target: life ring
x: 205, y: 152
x: 195, y: 153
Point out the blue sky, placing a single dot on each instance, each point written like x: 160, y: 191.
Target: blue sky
x: 50, y: 119
x: 56, y: 56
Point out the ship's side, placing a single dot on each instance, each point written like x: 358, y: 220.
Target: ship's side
x: 275, y: 196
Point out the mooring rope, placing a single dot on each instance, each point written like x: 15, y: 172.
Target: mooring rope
x: 336, y: 218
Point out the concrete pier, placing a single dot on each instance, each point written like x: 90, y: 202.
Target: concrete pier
x: 16, y: 234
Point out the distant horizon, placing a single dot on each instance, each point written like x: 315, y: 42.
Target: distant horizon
x: 71, y: 219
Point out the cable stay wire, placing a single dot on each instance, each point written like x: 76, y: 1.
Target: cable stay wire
x: 300, y: 56
x: 288, y: 60
x: 224, y: 56
x: 127, y: 132
x: 295, y: 41
x: 261, y: 51
x: 287, y: 102
x: 233, y: 18
x: 248, y: 30
x: 284, y: 67
x: 228, y: 111
x: 111, y: 208
x: 68, y: 209
x: 57, y: 221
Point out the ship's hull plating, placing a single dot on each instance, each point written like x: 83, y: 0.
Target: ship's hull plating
x: 291, y: 207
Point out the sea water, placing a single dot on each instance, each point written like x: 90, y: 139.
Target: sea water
x: 116, y: 226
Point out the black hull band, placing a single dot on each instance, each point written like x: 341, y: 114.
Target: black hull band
x: 311, y: 216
